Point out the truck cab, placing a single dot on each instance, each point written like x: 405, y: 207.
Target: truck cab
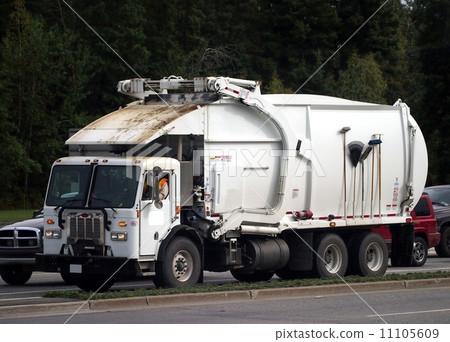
x: 111, y: 214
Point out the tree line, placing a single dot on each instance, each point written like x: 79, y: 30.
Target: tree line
x: 56, y: 73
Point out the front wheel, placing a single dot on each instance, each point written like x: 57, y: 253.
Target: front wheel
x: 181, y: 265
x: 420, y: 252
x: 14, y: 275
x: 90, y: 283
x: 68, y: 278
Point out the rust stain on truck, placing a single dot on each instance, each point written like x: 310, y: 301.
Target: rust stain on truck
x: 132, y: 124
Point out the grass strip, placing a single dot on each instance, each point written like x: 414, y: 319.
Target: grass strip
x: 240, y: 286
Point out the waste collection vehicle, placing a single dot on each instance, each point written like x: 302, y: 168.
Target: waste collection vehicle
x: 210, y: 174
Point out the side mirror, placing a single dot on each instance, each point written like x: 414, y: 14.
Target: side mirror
x: 156, y: 170
x: 158, y: 203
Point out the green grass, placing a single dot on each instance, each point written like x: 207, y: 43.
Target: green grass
x: 203, y: 288
x: 9, y: 216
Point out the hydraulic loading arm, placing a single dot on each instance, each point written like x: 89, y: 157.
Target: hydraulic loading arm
x: 246, y: 91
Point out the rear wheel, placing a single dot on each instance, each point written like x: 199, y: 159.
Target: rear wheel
x: 420, y: 251
x: 369, y: 254
x: 332, y: 258
x: 291, y: 274
x: 181, y: 265
x: 15, y: 275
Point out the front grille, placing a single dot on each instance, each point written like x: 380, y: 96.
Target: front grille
x: 20, y: 237
x: 86, y: 226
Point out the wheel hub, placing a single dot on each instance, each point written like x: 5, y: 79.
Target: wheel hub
x: 181, y: 265
x: 374, y: 257
x: 419, y: 251
x: 333, y: 258
x: 370, y: 255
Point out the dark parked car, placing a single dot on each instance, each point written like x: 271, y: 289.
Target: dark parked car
x: 440, y: 197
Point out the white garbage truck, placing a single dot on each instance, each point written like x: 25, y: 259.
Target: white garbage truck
x: 211, y: 175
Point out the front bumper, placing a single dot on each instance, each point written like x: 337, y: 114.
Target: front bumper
x: 18, y: 256
x: 18, y: 261
x: 87, y: 265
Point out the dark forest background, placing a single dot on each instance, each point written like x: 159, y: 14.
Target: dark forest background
x: 56, y: 74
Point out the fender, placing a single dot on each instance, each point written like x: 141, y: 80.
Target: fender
x: 181, y: 230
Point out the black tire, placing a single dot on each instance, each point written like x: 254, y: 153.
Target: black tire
x: 181, y: 265
x: 290, y: 274
x: 420, y: 252
x: 369, y: 254
x: 331, y: 259
x: 68, y: 278
x: 252, y: 277
x: 92, y: 283
x: 15, y: 275
x: 443, y: 249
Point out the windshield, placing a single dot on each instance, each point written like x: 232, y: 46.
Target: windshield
x: 69, y: 185
x: 113, y: 186
x: 439, y: 196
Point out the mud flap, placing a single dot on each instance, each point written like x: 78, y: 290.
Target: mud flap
x: 402, y: 245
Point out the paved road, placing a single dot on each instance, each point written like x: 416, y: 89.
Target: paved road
x: 419, y: 306
x: 43, y: 282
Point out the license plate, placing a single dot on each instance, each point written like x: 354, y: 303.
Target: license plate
x: 75, y: 269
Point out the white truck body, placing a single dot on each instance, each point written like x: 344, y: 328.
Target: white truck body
x: 258, y: 167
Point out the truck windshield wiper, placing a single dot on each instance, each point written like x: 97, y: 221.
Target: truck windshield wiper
x: 108, y: 202
x: 67, y: 202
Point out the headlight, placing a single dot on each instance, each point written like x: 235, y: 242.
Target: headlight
x: 53, y: 234
x: 119, y: 236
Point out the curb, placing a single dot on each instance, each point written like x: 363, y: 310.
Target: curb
x: 215, y: 297
x: 41, y: 309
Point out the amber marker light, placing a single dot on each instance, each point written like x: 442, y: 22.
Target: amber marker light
x: 122, y: 224
x: 332, y: 224
x: 50, y: 221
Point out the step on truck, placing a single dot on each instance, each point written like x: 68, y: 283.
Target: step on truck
x: 210, y: 174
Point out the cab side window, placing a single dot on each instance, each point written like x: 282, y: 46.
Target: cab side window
x: 147, y: 190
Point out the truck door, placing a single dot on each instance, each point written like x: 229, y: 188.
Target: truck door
x: 156, y: 220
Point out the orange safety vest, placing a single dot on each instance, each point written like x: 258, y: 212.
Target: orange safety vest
x: 162, y: 182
